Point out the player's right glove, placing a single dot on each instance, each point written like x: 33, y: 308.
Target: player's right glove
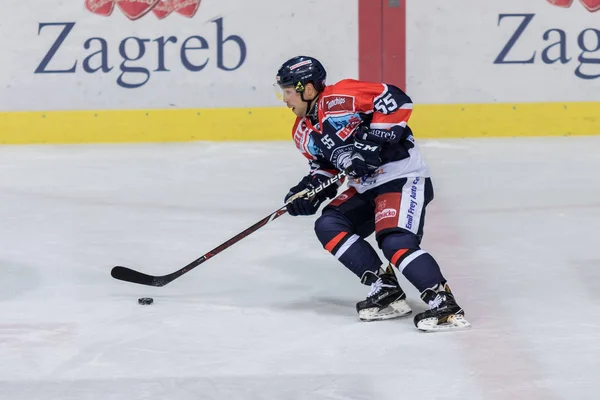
x: 365, y: 157
x: 303, y: 205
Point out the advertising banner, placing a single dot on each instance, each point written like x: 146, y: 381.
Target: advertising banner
x: 473, y: 51
x: 179, y: 70
x: 159, y: 54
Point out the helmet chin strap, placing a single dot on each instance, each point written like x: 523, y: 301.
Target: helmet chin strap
x: 310, y: 109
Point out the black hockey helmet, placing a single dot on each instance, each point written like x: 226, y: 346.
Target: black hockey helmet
x: 301, y: 70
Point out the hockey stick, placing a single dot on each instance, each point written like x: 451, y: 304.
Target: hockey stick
x: 130, y: 275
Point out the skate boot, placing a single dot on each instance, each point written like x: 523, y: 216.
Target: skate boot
x: 443, y: 313
x: 386, y: 300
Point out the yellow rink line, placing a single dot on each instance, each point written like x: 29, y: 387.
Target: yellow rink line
x: 274, y: 123
x: 506, y: 120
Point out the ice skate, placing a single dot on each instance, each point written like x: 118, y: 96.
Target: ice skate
x: 443, y: 314
x: 386, y: 300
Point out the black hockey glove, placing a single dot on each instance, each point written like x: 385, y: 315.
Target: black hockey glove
x: 365, y: 157
x: 303, y: 205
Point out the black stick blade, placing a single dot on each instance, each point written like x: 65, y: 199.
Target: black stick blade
x: 130, y: 275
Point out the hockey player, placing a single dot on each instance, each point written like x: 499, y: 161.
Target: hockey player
x: 362, y: 127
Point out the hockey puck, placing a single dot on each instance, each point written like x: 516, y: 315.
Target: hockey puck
x: 145, y: 301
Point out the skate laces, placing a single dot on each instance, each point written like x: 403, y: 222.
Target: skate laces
x: 375, y: 287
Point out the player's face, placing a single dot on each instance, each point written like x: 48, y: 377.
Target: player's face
x: 294, y: 101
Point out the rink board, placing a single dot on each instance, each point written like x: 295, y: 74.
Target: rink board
x: 80, y: 73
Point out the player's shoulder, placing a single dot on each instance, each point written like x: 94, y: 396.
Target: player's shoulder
x: 351, y: 85
x: 350, y: 96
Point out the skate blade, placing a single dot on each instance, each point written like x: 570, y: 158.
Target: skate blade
x: 454, y: 322
x: 396, y: 309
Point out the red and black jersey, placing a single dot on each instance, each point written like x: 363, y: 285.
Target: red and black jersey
x: 328, y: 140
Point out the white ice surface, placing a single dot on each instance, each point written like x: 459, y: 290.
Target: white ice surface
x: 515, y: 226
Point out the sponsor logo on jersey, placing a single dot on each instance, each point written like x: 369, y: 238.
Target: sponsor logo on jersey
x: 344, y: 124
x: 340, y: 157
x: 412, y: 208
x: 304, y: 141
x: 343, y: 197
x: 383, y: 133
x: 386, y: 213
x: 387, y: 209
x: 338, y: 101
x: 335, y: 104
x: 136, y: 9
x: 312, y: 147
